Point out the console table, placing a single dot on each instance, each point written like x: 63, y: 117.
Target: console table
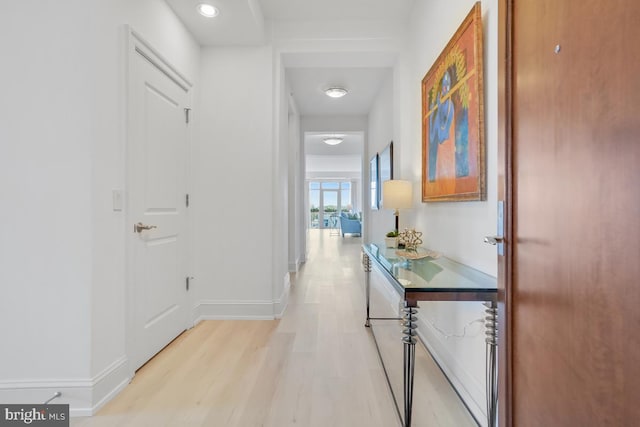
x: 433, y: 279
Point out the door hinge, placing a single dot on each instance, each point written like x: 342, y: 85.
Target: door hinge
x: 187, y: 281
x: 186, y: 114
x: 186, y: 200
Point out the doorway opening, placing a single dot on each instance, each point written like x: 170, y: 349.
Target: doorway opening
x: 327, y: 200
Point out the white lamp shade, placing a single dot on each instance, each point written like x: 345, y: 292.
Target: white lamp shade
x: 396, y: 194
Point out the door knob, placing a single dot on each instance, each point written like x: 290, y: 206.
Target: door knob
x: 139, y: 227
x: 493, y: 240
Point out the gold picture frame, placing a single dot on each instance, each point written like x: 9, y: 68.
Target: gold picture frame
x: 453, y: 148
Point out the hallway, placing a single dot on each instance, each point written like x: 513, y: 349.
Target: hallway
x: 316, y: 367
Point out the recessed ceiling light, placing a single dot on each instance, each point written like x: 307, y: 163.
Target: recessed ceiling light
x: 334, y: 140
x: 336, y: 92
x: 208, y: 10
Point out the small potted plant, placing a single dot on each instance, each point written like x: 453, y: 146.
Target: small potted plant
x: 391, y: 241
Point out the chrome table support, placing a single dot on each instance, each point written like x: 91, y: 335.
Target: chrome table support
x: 491, y: 325
x: 366, y: 263
x: 409, y: 339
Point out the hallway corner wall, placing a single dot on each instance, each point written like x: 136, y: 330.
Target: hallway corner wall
x: 234, y: 184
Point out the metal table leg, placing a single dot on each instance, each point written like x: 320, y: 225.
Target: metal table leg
x: 491, y: 324
x: 366, y: 262
x: 409, y: 340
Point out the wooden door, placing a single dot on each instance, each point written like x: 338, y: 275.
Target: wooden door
x: 575, y: 290
x: 157, y: 185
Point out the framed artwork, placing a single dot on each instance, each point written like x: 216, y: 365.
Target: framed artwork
x: 374, y: 183
x: 386, y: 168
x: 453, y: 151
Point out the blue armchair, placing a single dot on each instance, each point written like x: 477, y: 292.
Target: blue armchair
x: 351, y: 226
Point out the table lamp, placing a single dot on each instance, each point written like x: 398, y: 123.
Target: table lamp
x: 396, y: 194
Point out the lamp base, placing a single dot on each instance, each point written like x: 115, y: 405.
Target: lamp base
x: 397, y: 215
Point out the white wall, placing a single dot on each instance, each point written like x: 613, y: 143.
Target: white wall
x: 454, y: 229
x: 296, y: 188
x: 234, y: 183
x: 62, y: 252
x: 280, y: 171
x: 46, y: 137
x: 381, y: 133
x: 336, y: 164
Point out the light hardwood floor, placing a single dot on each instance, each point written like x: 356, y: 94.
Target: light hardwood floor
x: 316, y: 367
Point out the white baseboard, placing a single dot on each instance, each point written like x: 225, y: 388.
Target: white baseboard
x: 294, y: 267
x: 111, y: 381
x: 243, y: 309
x: 84, y: 396
x: 233, y: 310
x: 75, y: 393
x: 280, y: 305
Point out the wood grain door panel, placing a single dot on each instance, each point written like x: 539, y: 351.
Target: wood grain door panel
x: 576, y: 242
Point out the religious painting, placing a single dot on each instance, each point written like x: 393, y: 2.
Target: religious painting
x: 453, y: 152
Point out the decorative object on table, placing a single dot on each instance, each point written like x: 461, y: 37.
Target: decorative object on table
x: 411, y: 239
x: 417, y: 254
x: 385, y: 168
x: 391, y: 239
x: 374, y: 183
x: 397, y: 195
x: 453, y: 151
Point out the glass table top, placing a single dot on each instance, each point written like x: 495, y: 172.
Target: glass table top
x: 429, y: 274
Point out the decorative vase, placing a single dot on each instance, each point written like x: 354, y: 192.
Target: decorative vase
x: 391, y: 242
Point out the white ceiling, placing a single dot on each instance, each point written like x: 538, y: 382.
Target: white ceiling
x: 243, y: 22
x: 333, y: 166
x: 240, y: 22
x: 331, y: 10
x: 353, y: 144
x: 344, y: 157
x: 308, y: 85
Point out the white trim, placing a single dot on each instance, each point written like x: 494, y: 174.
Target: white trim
x: 108, y: 383
x: 233, y: 310
x: 243, y: 309
x: 80, y: 394
x: 280, y: 304
x: 165, y: 65
x: 294, y: 267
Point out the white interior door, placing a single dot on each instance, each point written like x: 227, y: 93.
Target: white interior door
x: 158, y: 144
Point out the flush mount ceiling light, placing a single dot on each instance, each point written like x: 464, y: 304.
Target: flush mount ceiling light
x: 207, y: 10
x: 336, y: 92
x: 334, y: 140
